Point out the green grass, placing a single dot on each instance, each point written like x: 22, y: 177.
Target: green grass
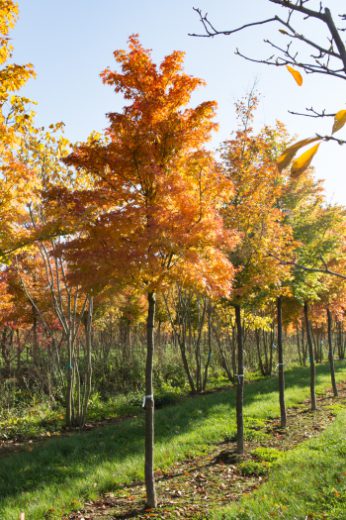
x: 307, y: 482
x: 61, y: 473
x: 35, y: 418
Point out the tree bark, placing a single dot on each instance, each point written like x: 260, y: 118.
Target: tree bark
x: 258, y: 346
x: 35, y: 343
x: 233, y: 351
x: 89, y: 367
x: 149, y: 406
x: 283, y: 416
x: 69, y: 389
x: 304, y: 347
x: 312, y: 359
x: 223, y: 360
x: 298, y: 347
x: 206, y: 367
x: 341, y: 344
x: 182, y: 348
x: 330, y: 353
x: 240, y: 383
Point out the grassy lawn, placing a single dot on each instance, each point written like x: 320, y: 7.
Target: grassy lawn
x: 36, y: 419
x: 308, y: 482
x: 58, y: 475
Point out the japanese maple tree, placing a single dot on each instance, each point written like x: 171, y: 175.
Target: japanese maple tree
x: 151, y: 215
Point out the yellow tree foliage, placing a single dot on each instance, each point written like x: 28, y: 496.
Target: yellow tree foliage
x: 255, y: 211
x: 15, y: 123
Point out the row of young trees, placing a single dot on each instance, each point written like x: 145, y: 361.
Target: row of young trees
x: 143, y: 225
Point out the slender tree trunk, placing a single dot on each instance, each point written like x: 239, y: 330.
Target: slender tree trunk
x: 233, y: 352
x: 69, y: 390
x: 89, y: 367
x: 198, y: 365
x: 311, y: 356
x: 240, y: 383
x: 304, y: 347
x: 182, y: 348
x: 206, y: 368
x: 341, y: 345
x: 223, y: 360
x: 19, y: 351
x: 35, y: 345
x: 258, y: 346
x: 149, y: 405
x: 4, y: 351
x: 265, y: 350
x: 271, y: 351
x: 78, y: 387
x: 330, y: 353
x: 283, y: 416
x: 298, y: 347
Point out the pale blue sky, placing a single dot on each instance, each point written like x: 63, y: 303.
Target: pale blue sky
x: 71, y: 41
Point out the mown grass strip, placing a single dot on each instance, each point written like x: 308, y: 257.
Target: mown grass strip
x: 62, y: 473
x: 308, y: 482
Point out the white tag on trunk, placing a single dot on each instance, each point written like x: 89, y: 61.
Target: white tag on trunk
x: 145, y: 399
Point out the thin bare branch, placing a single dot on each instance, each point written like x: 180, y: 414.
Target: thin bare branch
x: 331, y: 138
x: 295, y: 264
x: 210, y: 30
x: 311, y: 112
x: 321, y: 62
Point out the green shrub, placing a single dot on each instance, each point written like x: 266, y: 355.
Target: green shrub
x: 266, y: 454
x: 250, y: 468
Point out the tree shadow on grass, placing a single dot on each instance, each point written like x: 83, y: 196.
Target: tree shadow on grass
x: 68, y: 461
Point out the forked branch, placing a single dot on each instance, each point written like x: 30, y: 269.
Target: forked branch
x: 328, y: 58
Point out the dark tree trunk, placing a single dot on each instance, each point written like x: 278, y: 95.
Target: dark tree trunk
x: 265, y: 350
x: 312, y: 359
x: 69, y: 419
x: 35, y: 342
x: 19, y: 351
x: 206, y: 367
x: 233, y: 352
x: 341, y: 344
x: 270, y: 368
x: 149, y: 405
x: 240, y: 383
x: 197, y: 345
x: 281, y: 365
x: 258, y: 346
x: 182, y: 348
x: 89, y: 367
x: 5, y: 350
x: 298, y: 348
x: 304, y: 348
x: 316, y: 339
x: 330, y: 353
x: 223, y: 360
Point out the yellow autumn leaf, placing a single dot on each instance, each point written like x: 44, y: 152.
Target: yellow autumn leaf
x: 304, y: 160
x: 287, y: 156
x: 296, y: 74
x: 339, y: 120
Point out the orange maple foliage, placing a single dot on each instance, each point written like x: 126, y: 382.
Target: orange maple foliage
x: 152, y: 212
